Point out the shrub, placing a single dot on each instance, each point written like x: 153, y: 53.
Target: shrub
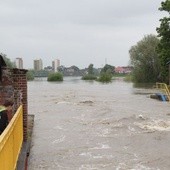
x: 55, y: 77
x: 105, y: 77
x: 30, y: 75
x: 89, y: 77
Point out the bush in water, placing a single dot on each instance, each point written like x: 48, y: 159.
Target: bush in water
x: 105, y: 77
x: 55, y: 77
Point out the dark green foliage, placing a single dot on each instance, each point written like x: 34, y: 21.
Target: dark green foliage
x: 164, y: 44
x: 108, y: 69
x: 106, y: 74
x: 30, y: 75
x: 126, y: 76
x: 165, y: 6
x: 89, y: 77
x: 55, y: 77
x: 105, y: 77
x: 145, y: 60
x: 8, y: 62
x: 90, y: 69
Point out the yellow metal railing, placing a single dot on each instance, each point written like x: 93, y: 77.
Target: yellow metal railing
x: 11, y: 142
x: 164, y: 88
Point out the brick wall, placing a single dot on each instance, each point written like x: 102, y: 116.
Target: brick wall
x: 14, y: 87
x: 20, y: 94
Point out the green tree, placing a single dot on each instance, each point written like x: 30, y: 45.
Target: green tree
x: 8, y: 62
x: 106, y: 73
x: 108, y: 69
x: 90, y: 75
x: 105, y: 77
x: 90, y: 69
x: 145, y: 60
x: 164, y: 44
x: 30, y: 75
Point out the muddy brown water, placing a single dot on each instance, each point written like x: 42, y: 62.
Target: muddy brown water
x: 92, y: 126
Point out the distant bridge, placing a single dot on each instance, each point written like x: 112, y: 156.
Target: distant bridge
x: 41, y: 74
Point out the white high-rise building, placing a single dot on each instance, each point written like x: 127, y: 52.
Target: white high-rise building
x: 38, y: 64
x: 55, y: 65
x: 19, y: 63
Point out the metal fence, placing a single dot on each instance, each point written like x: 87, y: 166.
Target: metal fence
x: 164, y: 88
x: 11, y: 142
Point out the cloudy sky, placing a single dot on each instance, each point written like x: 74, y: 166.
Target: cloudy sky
x: 78, y: 32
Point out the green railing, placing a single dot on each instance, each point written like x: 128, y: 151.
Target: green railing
x: 11, y: 142
x: 164, y: 88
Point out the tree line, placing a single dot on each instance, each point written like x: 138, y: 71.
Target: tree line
x: 151, y: 55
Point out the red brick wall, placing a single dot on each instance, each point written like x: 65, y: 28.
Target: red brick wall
x: 14, y: 87
x: 20, y: 95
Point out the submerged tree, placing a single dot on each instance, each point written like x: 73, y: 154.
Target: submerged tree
x: 105, y: 77
x: 164, y: 44
x: 90, y: 69
x: 145, y: 60
x: 106, y: 73
x: 108, y: 69
x: 55, y: 77
x: 90, y: 75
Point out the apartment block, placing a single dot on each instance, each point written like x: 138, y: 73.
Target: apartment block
x: 38, y: 64
x: 55, y: 65
x: 19, y: 63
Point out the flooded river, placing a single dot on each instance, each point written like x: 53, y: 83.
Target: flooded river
x: 92, y: 126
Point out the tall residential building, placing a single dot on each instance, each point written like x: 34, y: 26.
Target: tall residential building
x: 55, y: 65
x: 19, y: 63
x: 38, y: 64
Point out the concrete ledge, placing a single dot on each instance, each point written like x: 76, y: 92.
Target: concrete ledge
x: 25, y: 150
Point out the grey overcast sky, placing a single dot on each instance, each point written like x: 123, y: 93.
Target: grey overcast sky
x: 78, y: 32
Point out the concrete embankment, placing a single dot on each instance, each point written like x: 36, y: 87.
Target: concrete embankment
x: 25, y: 151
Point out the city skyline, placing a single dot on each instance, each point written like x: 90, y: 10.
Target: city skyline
x: 38, y: 64
x: 77, y: 32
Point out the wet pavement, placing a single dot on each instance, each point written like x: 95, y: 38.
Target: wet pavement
x: 91, y: 126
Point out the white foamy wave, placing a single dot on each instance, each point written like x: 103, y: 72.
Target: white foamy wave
x: 92, y: 167
x: 98, y: 157
x: 61, y: 139
x: 101, y: 146
x: 156, y: 125
x: 142, y: 167
x: 87, y: 154
x: 58, y: 127
x: 136, y: 167
x: 63, y: 102
x: 104, y: 132
x: 121, y: 166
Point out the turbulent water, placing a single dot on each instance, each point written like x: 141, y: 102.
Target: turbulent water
x: 91, y: 126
